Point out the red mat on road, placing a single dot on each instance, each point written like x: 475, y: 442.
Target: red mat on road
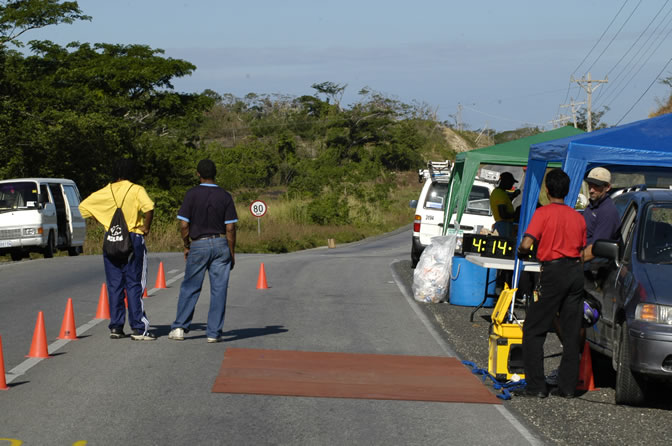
x: 349, y: 375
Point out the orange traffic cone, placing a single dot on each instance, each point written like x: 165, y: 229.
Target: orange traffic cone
x: 103, y: 311
x: 125, y: 298
x: 3, y: 381
x: 144, y: 294
x: 68, y: 329
x: 161, y: 278
x: 38, y: 348
x: 586, y: 379
x: 261, y: 281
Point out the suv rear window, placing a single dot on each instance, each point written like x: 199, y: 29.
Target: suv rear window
x: 479, y: 201
x: 436, y: 196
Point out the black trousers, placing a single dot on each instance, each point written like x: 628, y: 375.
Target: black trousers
x: 561, y: 291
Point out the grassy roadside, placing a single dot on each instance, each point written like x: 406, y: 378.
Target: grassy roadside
x: 285, y: 227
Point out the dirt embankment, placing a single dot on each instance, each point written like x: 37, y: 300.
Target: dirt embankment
x: 457, y: 143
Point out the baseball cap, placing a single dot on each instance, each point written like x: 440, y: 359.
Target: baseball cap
x: 508, y: 175
x: 599, y: 176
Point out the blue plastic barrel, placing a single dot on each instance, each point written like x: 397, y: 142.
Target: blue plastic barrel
x: 467, y: 283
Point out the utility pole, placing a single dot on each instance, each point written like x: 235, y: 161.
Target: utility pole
x: 587, y: 84
x: 560, y: 121
x: 574, y: 109
x: 481, y: 133
x: 459, y: 116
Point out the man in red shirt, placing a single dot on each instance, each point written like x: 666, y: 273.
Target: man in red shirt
x: 560, y: 235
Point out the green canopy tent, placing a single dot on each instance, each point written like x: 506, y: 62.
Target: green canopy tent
x: 512, y: 153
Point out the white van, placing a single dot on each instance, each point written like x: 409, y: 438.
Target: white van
x: 40, y: 215
x: 429, y: 211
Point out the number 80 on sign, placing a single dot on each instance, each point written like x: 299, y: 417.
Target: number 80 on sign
x: 258, y: 208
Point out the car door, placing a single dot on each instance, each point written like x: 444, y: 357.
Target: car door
x: 76, y: 222
x: 609, y: 289
x: 623, y: 279
x: 48, y: 212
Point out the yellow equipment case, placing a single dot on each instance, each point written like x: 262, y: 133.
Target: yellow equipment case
x: 505, y: 357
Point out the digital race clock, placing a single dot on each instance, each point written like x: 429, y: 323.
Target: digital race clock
x: 492, y: 246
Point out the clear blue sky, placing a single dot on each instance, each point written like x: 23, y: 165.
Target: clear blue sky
x: 508, y: 63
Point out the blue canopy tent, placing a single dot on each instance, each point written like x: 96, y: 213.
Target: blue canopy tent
x: 642, y: 143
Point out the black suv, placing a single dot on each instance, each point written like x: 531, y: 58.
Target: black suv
x: 634, y: 287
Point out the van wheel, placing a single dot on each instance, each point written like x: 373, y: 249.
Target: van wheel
x: 74, y: 251
x: 50, y: 248
x: 629, y: 387
x: 16, y: 255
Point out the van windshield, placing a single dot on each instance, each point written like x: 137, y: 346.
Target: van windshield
x: 18, y: 195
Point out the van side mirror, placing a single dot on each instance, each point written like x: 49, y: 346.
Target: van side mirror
x: 606, y: 248
x: 413, y: 204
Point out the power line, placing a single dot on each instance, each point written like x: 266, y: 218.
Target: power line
x: 600, y: 39
x: 569, y: 85
x: 615, y: 35
x: 642, y: 65
x: 503, y: 118
x: 616, y: 81
x: 640, y: 36
x: 645, y: 91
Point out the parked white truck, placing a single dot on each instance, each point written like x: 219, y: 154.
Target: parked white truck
x: 40, y: 215
x: 430, y: 206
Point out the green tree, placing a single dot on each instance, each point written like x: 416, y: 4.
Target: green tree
x: 596, y: 117
x: 20, y: 16
x: 331, y: 90
x: 73, y: 111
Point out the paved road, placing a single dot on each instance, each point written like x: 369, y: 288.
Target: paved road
x: 102, y: 391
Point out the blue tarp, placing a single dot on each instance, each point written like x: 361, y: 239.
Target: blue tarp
x: 642, y: 143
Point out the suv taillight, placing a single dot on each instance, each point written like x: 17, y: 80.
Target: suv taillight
x: 416, y: 223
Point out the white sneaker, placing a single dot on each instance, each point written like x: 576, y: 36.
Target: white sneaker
x: 213, y: 340
x: 176, y: 334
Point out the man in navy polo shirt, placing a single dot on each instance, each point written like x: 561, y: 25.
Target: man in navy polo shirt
x: 208, y: 227
x: 560, y: 235
x: 602, y: 219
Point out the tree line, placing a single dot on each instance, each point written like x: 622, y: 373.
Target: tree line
x: 72, y: 111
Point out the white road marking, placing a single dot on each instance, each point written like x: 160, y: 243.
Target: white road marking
x: 529, y: 436
x: 56, y: 345
x: 52, y: 348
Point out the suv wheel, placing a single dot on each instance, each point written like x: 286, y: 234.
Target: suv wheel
x: 629, y: 387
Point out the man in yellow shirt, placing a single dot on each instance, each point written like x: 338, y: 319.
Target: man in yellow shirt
x: 501, y: 206
x: 130, y: 275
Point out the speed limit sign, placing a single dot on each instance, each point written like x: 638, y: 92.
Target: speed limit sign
x: 258, y: 208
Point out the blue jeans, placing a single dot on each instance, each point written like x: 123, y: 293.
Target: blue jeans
x: 504, y: 228
x: 214, y: 256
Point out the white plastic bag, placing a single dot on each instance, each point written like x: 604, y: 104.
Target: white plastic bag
x: 432, y: 273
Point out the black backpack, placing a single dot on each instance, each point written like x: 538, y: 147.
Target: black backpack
x: 117, y: 244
